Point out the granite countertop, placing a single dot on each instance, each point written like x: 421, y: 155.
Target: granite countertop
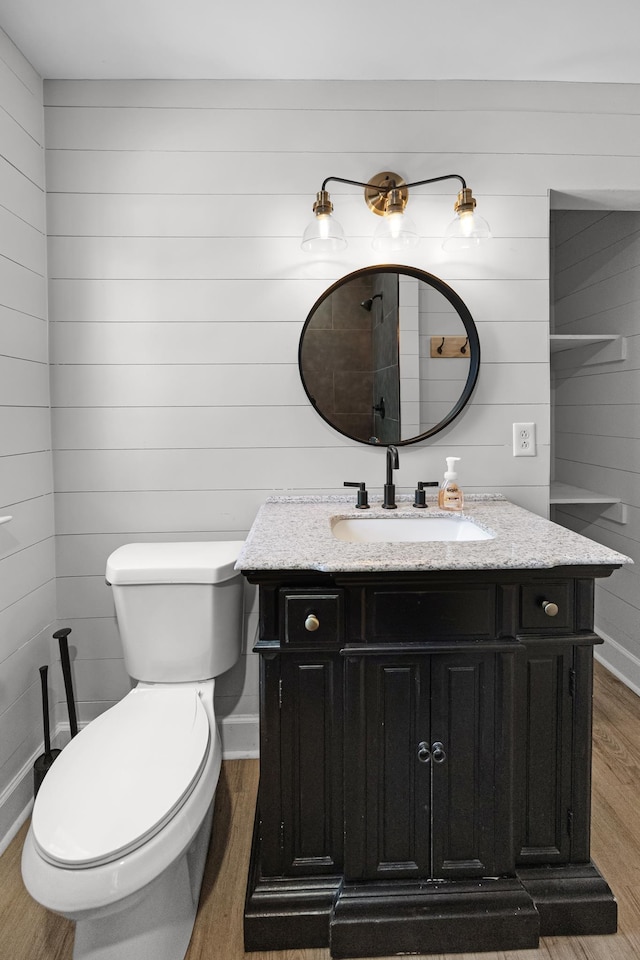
x: 294, y: 533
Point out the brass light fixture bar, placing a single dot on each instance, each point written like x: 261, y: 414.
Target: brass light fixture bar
x: 386, y: 194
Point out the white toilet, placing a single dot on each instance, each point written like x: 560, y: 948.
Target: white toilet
x: 121, y: 824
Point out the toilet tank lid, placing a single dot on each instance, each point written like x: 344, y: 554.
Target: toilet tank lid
x: 198, y: 561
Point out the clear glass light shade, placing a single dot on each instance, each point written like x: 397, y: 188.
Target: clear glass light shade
x: 465, y: 230
x: 323, y: 235
x: 396, y: 232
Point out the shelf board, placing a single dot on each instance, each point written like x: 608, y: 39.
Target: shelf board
x: 586, y: 349
x: 565, y: 493
x: 611, y: 508
x: 562, y: 341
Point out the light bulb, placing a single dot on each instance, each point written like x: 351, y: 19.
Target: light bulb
x: 324, y: 234
x: 395, y: 223
x: 397, y: 232
x: 467, y: 229
x: 466, y: 224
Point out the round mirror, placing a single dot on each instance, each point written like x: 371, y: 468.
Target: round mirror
x: 389, y: 354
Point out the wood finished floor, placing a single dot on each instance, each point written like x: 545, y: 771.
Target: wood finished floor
x: 28, y: 932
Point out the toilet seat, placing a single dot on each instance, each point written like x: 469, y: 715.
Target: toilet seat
x: 117, y: 783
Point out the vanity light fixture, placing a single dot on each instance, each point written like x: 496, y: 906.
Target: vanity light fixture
x: 386, y: 195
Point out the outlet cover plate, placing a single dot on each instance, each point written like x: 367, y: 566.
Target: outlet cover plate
x: 524, y: 439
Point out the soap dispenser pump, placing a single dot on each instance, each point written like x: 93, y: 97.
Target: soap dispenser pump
x: 450, y: 496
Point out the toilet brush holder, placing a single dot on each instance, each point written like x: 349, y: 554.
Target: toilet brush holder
x: 45, y: 760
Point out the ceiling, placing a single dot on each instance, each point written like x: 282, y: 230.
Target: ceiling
x: 567, y: 40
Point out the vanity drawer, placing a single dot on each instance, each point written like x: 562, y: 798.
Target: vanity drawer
x: 440, y: 613
x: 311, y: 617
x: 547, y: 605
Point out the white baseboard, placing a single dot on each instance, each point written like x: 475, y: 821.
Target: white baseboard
x: 619, y: 661
x: 16, y: 801
x: 240, y: 737
x: 15, y: 826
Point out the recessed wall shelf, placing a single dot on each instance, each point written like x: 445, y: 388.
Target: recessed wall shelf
x: 612, y: 347
x: 564, y: 493
x: 607, y: 348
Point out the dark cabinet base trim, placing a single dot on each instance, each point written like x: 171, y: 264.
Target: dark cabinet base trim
x: 382, y: 919
x: 378, y: 919
x: 572, y: 900
x: 435, y: 917
x: 288, y: 914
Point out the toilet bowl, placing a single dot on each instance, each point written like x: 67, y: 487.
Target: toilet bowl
x: 121, y: 824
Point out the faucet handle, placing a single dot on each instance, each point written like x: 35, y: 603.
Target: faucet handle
x: 362, y: 502
x: 420, y: 496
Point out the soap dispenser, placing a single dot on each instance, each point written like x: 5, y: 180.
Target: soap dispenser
x: 450, y: 496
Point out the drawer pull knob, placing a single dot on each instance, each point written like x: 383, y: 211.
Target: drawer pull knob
x: 437, y: 752
x: 424, y: 753
x: 550, y: 608
x: 311, y: 623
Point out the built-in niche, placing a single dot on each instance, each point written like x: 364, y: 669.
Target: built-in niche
x: 595, y: 294
x: 595, y: 402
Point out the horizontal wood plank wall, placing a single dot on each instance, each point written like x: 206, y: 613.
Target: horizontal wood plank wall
x: 178, y: 291
x: 597, y: 406
x: 27, y: 578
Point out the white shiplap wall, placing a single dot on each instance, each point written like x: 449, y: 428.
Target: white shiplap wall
x: 178, y: 291
x: 27, y: 584
x: 596, y: 257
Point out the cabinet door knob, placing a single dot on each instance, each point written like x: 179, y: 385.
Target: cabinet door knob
x: 311, y: 623
x: 437, y: 752
x: 550, y: 608
x: 424, y: 753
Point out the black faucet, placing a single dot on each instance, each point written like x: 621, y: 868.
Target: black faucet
x: 389, y: 501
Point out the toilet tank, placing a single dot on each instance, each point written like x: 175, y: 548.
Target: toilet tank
x: 179, y: 608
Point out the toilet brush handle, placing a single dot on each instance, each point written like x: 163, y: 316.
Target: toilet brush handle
x: 61, y: 637
x: 45, y: 710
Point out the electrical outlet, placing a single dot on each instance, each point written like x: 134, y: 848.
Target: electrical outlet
x: 524, y: 439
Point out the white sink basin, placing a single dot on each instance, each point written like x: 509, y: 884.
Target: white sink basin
x: 407, y: 529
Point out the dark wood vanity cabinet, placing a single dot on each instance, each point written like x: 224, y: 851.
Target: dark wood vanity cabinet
x: 425, y: 762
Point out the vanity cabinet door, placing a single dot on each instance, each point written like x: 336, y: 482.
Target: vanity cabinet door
x: 464, y: 767
x: 387, y: 768
x: 423, y: 733
x: 310, y: 707
x: 544, y: 748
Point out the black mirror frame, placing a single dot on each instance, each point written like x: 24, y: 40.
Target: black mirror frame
x: 461, y: 309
